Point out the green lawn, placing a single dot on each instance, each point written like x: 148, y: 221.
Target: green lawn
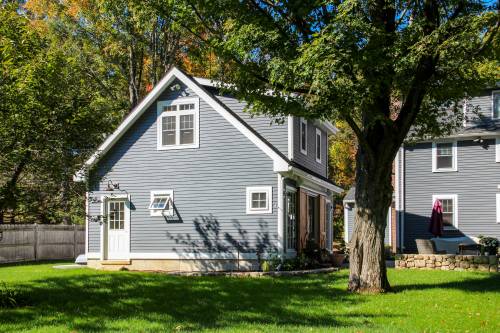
x: 88, y: 300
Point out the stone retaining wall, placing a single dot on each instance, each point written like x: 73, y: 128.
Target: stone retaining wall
x: 447, y: 262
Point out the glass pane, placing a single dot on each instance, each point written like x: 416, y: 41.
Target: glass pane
x: 444, y: 149
x: 496, y: 105
x: 318, y: 147
x: 187, y: 121
x: 168, y: 123
x: 187, y: 137
x: 303, y: 134
x: 170, y: 108
x: 259, y: 200
x: 444, y: 162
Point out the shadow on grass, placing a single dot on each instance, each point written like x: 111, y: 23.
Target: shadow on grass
x: 486, y: 282
x: 93, y: 302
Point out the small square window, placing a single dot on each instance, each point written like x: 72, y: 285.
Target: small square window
x: 444, y: 156
x: 449, y: 204
x: 161, y: 203
x: 496, y: 104
x: 259, y: 200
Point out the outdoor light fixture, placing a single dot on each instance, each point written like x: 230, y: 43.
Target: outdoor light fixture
x: 112, y: 186
x: 480, y: 140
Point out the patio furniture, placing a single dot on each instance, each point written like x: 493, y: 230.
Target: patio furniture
x: 451, y: 244
x: 427, y: 246
x: 474, y: 249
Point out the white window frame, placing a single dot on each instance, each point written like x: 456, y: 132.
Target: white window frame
x: 320, y: 134
x: 454, y: 159
x: 493, y: 104
x: 497, y: 150
x: 453, y: 197
x: 498, y: 207
x: 178, y: 114
x: 162, y: 212
x: 269, y: 199
x: 303, y: 140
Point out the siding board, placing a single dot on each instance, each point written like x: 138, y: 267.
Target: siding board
x: 209, y: 185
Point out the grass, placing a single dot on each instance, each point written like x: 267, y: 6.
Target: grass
x: 88, y: 300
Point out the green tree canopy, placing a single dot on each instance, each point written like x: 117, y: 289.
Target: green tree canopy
x: 383, y: 67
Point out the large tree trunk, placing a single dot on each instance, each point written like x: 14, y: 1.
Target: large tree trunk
x: 373, y: 197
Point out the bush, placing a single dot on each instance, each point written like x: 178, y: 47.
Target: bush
x: 9, y: 297
x: 489, y: 244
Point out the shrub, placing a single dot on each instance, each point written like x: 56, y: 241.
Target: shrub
x: 489, y: 244
x: 9, y: 297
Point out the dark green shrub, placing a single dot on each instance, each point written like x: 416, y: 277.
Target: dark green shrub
x: 9, y: 297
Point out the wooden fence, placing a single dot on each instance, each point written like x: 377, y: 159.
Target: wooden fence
x: 32, y: 242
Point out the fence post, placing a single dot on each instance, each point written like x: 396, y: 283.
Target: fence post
x: 35, y: 240
x: 75, y: 239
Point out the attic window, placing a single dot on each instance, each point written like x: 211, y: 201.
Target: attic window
x: 161, y: 203
x: 178, y: 124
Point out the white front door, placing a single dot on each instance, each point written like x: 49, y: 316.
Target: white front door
x: 117, y: 229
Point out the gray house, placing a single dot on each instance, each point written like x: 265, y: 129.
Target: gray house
x: 461, y: 170
x: 189, y: 181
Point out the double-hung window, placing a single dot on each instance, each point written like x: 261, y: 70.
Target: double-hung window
x: 318, y: 145
x: 496, y: 104
x: 303, y: 136
x: 178, y: 124
x: 259, y: 200
x: 162, y: 203
x: 444, y: 156
x: 449, y: 203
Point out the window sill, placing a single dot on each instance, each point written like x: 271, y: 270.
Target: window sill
x: 303, y: 152
x: 259, y: 212
x: 444, y: 170
x: 177, y: 147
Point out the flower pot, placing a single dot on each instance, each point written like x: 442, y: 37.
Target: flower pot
x: 338, y: 259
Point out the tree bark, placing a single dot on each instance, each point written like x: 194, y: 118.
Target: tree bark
x: 373, y: 197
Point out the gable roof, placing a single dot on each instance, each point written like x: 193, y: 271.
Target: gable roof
x: 280, y: 162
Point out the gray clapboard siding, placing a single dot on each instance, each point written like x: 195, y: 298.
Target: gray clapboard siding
x: 309, y: 160
x: 475, y: 183
x: 209, y: 185
x: 275, y: 133
x: 484, y: 105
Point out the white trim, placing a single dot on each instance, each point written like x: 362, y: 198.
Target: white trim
x: 177, y: 114
x: 290, y: 137
x: 453, y: 197
x: 197, y: 255
x: 346, y: 224
x: 269, y: 199
x: 280, y: 164
x: 493, y: 92
x: 86, y: 223
x: 166, y: 212
x: 454, y: 150
x: 326, y: 126
x: 303, y: 122
x: 464, y: 107
x: 498, y: 207
x: 281, y: 215
x: 128, y: 214
x: 93, y: 255
x: 316, y: 180
x: 497, y: 150
x: 318, y: 132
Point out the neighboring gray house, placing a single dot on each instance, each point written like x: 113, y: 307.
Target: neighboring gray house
x: 205, y: 186
x: 461, y: 170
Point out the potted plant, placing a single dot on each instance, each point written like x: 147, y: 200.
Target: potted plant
x: 340, y: 254
x: 489, y: 245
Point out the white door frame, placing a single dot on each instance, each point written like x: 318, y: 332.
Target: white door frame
x: 104, y: 226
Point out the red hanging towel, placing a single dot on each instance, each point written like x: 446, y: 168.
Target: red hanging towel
x: 436, y: 225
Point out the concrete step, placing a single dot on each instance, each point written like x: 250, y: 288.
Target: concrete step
x: 115, y: 262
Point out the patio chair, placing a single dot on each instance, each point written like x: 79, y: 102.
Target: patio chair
x: 427, y: 246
